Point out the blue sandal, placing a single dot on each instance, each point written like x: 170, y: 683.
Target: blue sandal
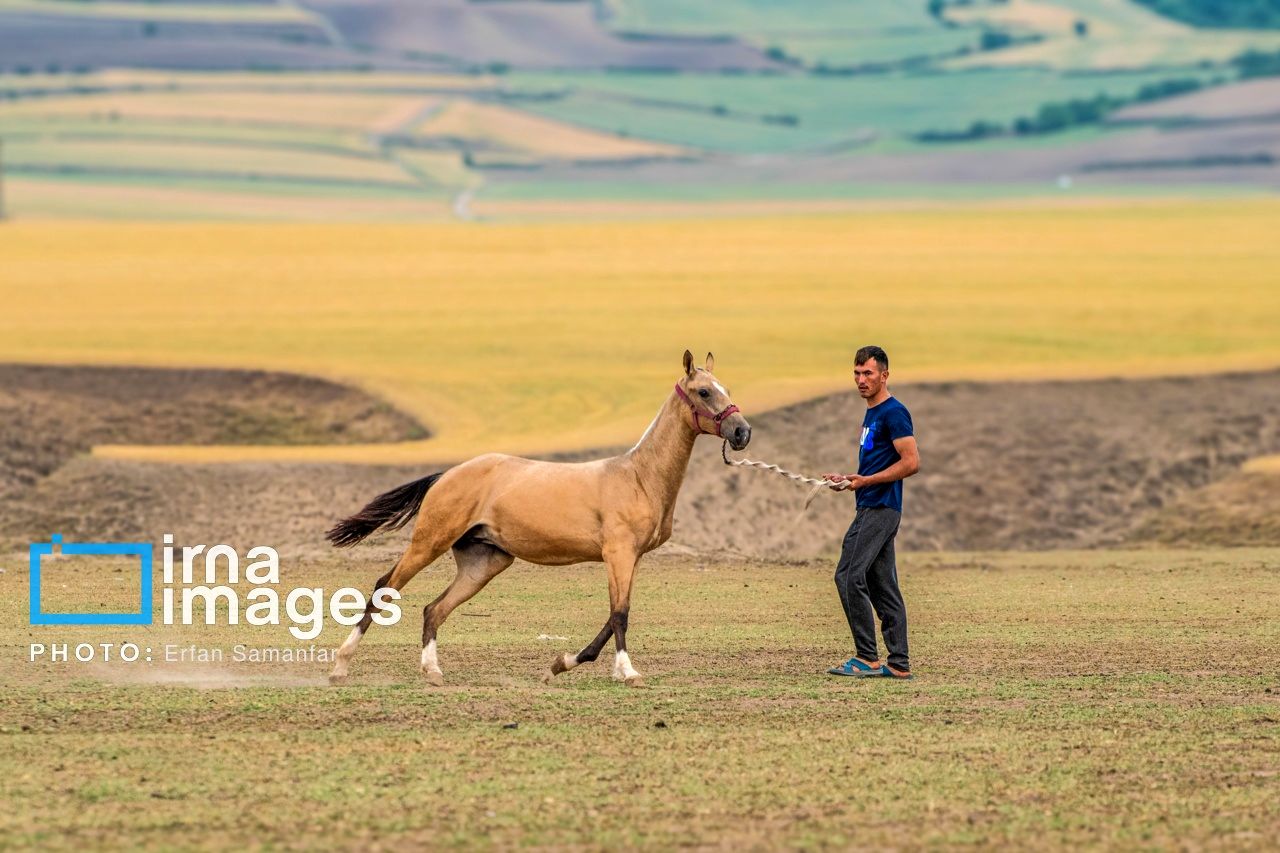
x: 856, y: 668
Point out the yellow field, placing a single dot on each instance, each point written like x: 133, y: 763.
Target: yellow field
x: 257, y: 81
x: 319, y: 81
x: 1263, y: 465
x: 346, y: 110
x: 529, y: 337
x: 107, y: 201
x: 520, y: 131
x: 204, y: 159
x: 177, y: 145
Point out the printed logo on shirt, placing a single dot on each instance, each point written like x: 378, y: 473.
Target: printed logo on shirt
x: 868, y: 436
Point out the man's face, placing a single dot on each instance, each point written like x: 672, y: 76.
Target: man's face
x: 870, y: 378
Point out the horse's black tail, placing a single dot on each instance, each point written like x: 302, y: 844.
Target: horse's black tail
x: 390, y: 510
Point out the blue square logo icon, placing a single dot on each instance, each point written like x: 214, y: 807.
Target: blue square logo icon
x: 141, y: 550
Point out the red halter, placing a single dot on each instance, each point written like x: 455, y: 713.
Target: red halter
x: 698, y: 416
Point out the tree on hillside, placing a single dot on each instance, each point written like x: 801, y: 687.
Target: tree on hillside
x: 1252, y: 14
x: 995, y: 39
x: 1257, y: 63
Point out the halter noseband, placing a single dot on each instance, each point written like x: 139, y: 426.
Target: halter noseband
x: 699, y: 416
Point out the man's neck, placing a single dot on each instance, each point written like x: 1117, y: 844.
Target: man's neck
x: 884, y: 394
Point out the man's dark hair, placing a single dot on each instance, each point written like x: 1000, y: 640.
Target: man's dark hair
x: 867, y: 353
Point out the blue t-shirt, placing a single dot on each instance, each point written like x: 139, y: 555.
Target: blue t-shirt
x: 882, y: 424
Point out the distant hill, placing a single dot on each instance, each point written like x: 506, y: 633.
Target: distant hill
x: 448, y: 108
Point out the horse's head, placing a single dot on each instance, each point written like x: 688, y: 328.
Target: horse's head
x: 712, y: 410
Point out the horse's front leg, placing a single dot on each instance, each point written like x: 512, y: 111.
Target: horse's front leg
x: 621, y: 563
x: 622, y: 567
x: 588, y: 653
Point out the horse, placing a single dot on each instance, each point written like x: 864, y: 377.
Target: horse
x: 495, y: 508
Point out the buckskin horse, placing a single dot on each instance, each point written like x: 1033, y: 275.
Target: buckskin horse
x: 495, y: 508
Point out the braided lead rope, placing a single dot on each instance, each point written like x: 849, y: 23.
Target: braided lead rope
x: 818, y: 485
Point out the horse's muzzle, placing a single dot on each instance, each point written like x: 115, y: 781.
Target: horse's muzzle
x: 740, y: 436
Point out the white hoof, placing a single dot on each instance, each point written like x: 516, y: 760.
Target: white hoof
x: 625, y: 672
x: 430, y: 665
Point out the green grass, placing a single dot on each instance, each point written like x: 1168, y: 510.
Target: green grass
x: 697, y: 128
x: 1101, y: 699
x: 726, y: 17
x: 623, y: 192
x: 1176, y: 53
x: 1121, y: 34
x: 857, y: 50
x: 838, y: 33
x: 827, y: 110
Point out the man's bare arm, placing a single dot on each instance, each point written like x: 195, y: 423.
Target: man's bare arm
x: 907, y: 464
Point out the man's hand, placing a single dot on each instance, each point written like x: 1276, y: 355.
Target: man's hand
x: 844, y: 482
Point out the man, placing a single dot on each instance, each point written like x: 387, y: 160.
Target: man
x: 866, y: 576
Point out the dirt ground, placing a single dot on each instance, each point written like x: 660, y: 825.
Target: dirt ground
x: 1005, y: 466
x: 1101, y: 699
x: 1243, y: 508
x: 52, y: 415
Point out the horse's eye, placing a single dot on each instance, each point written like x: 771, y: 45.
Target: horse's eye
x: 704, y: 393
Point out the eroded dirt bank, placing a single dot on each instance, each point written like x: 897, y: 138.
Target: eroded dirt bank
x: 1007, y: 465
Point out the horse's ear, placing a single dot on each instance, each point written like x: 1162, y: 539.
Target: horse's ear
x: 688, y: 363
x: 711, y: 363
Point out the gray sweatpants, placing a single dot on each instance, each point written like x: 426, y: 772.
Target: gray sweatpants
x: 867, y: 579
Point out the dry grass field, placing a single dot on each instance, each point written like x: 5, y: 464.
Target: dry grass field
x: 435, y: 318
x: 227, y: 105
x: 1264, y: 465
x: 229, y: 160
x: 225, y: 198
x: 238, y: 13
x: 1101, y: 699
x: 511, y: 129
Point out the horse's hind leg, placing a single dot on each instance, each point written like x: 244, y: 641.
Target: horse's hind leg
x: 478, y: 563
x: 422, y: 552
